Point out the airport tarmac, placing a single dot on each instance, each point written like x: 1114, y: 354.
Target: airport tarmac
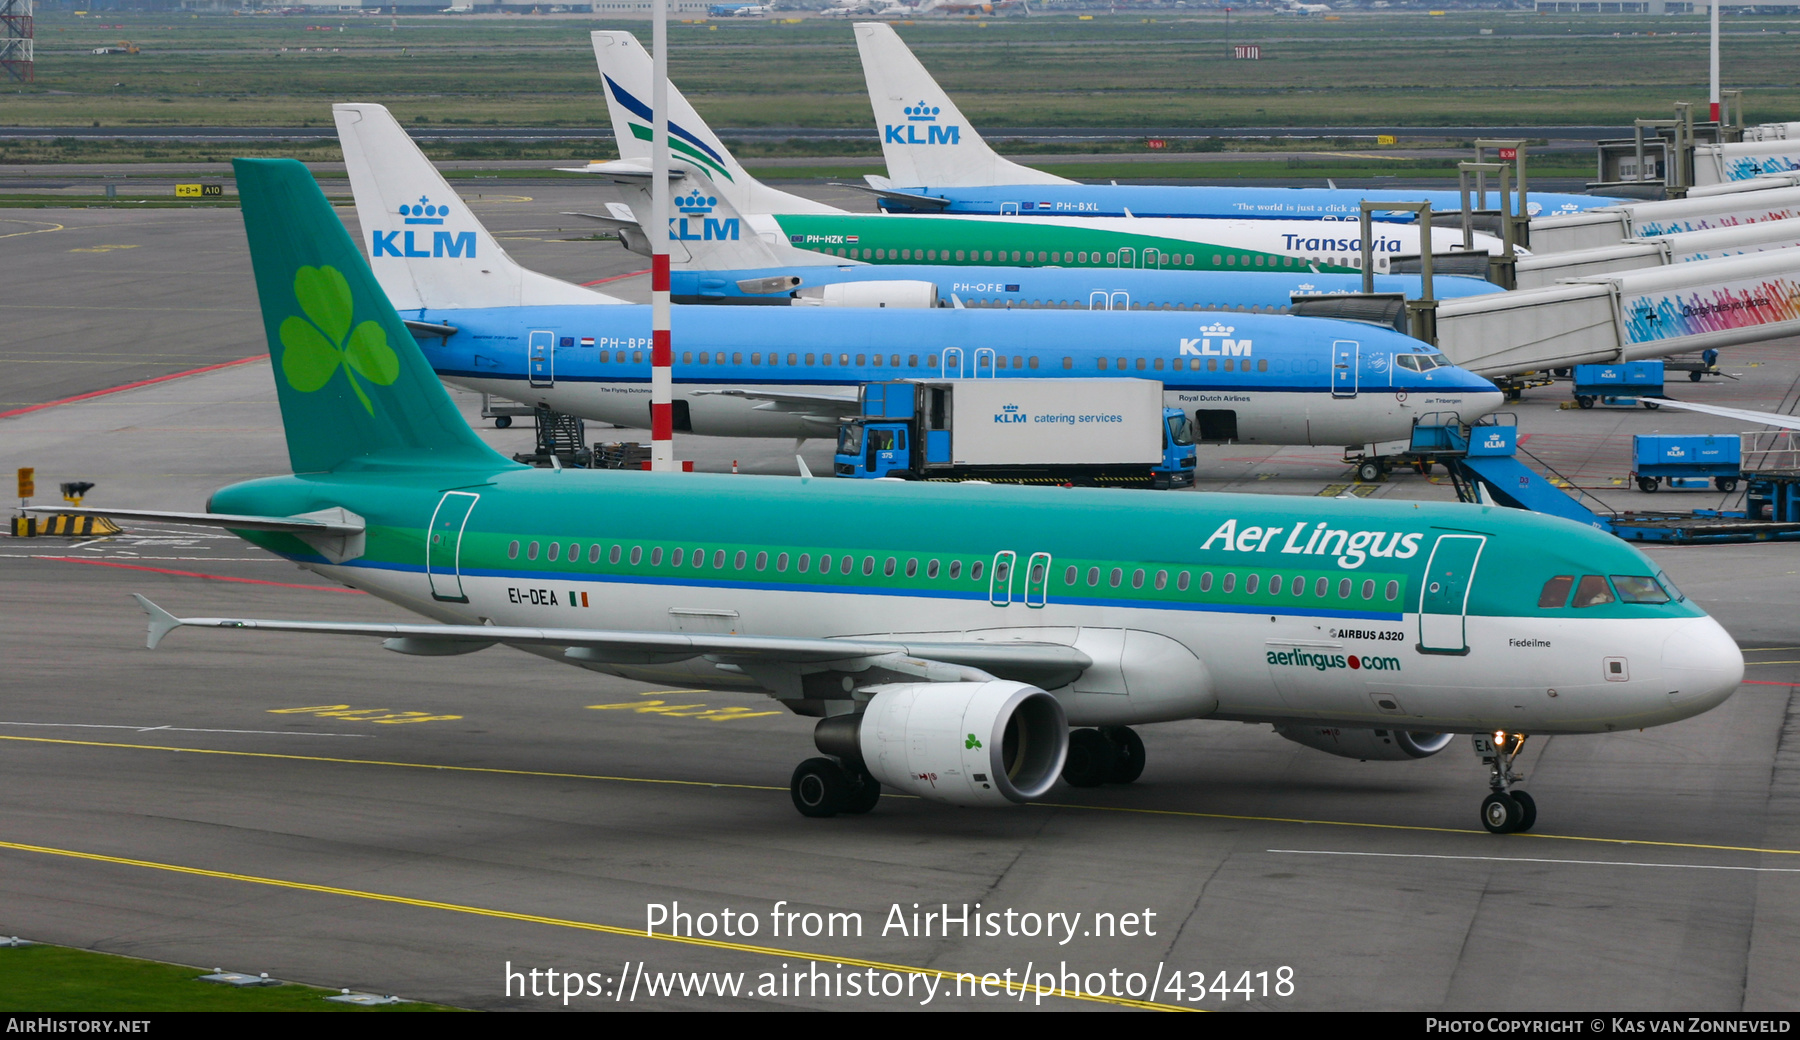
x: 330, y: 813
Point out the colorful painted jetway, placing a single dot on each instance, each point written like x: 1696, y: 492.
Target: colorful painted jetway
x: 1625, y: 316
x: 1683, y: 247
x: 1614, y: 224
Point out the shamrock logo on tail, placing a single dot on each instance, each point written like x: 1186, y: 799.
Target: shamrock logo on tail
x: 971, y: 743
x: 314, y: 346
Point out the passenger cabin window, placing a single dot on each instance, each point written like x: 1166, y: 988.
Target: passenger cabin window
x: 1556, y: 592
x: 1592, y: 591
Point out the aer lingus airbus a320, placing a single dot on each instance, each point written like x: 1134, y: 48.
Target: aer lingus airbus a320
x: 947, y: 636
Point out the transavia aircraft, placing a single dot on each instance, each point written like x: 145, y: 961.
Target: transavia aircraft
x: 937, y: 163
x: 493, y: 326
x: 947, y: 636
x: 1208, y: 245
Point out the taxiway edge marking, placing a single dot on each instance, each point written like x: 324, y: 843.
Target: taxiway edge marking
x: 561, y: 922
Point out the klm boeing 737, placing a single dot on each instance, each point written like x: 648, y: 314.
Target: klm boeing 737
x: 490, y: 325
x: 937, y: 163
x: 946, y: 636
x: 1294, y: 246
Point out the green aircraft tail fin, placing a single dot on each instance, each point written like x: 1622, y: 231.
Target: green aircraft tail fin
x: 355, y: 390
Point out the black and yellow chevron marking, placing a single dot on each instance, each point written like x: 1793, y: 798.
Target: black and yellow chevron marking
x: 63, y: 525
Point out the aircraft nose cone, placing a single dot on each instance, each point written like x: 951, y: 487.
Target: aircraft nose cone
x: 1478, y: 404
x: 1702, y: 665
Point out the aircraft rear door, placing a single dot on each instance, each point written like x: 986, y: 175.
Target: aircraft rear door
x: 542, y: 358
x: 443, y: 546
x: 952, y: 367
x: 1343, y: 367
x: 1443, y: 602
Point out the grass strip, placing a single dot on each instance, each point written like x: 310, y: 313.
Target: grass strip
x: 42, y: 978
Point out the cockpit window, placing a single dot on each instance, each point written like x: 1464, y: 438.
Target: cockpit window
x: 1592, y: 592
x: 1639, y: 588
x: 1410, y: 362
x: 1669, y: 587
x: 1420, y: 362
x: 1556, y: 591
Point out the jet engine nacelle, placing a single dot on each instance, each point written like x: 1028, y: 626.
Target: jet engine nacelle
x: 969, y: 743
x: 1381, y: 745
x: 894, y: 293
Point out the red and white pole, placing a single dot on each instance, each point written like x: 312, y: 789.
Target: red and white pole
x: 1715, y: 60
x: 662, y: 354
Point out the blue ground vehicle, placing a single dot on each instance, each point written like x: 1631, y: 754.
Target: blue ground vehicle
x: 1686, y: 461
x: 1625, y: 383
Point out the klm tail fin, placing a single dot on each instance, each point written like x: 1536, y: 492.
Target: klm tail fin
x: 924, y: 138
x: 628, y: 76
x: 708, y: 233
x: 426, y: 248
x: 355, y: 391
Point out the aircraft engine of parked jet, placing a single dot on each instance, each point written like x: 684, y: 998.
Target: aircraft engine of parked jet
x: 968, y: 743
x: 897, y: 292
x: 1381, y: 745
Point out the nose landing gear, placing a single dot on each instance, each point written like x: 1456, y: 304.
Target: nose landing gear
x: 1505, y: 811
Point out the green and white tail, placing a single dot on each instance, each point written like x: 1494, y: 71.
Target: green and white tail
x: 425, y: 246
x: 355, y: 391
x: 627, y: 76
x: 924, y: 137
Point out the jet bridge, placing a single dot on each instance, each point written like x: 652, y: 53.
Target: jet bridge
x: 1532, y: 272
x: 1612, y: 225
x: 1626, y: 316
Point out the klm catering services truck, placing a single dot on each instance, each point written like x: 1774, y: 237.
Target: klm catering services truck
x: 1096, y: 432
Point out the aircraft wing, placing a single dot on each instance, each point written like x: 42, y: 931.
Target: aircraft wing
x: 1045, y: 664
x: 1790, y: 422
x: 831, y: 406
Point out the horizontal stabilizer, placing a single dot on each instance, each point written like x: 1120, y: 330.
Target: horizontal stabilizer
x: 912, y: 199
x: 284, y: 524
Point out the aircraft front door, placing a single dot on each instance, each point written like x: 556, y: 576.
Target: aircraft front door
x: 1444, y: 601
x: 1127, y: 258
x: 443, y: 546
x: 541, y: 356
x: 1343, y: 367
x: 1037, y: 580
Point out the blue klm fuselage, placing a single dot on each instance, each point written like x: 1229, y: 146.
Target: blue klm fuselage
x: 1160, y: 200
x: 1288, y: 380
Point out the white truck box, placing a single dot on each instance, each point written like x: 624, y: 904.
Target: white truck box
x: 1078, y: 422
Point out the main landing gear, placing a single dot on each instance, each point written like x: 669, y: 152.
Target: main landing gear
x: 1505, y: 811
x: 1108, y: 755
x: 825, y: 787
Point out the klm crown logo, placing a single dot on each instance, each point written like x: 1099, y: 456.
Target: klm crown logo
x: 1202, y: 345
x: 424, y: 212
x: 693, y: 224
x: 908, y: 132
